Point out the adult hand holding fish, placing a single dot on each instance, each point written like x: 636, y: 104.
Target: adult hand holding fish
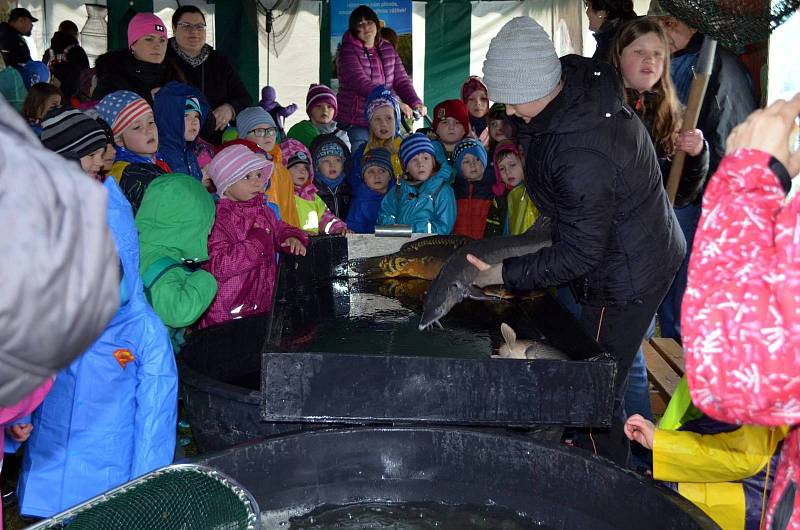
x: 488, y: 275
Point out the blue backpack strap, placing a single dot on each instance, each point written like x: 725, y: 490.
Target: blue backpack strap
x: 156, y: 270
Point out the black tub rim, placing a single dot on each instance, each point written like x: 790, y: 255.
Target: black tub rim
x: 188, y: 376
x: 703, y: 521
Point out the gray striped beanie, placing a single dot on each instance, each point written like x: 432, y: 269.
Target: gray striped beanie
x: 521, y: 65
x: 71, y: 132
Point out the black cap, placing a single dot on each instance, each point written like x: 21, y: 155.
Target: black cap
x: 298, y: 158
x: 21, y: 12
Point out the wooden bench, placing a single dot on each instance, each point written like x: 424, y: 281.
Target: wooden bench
x: 664, y: 358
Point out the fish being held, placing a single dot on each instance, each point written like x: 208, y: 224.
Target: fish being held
x: 422, y: 258
x: 525, y: 349
x: 454, y: 282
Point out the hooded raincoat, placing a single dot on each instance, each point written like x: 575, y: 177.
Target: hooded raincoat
x: 110, y: 415
x: 174, y: 222
x: 726, y: 470
x: 169, y: 105
x: 430, y: 207
x: 242, y: 258
x: 740, y: 328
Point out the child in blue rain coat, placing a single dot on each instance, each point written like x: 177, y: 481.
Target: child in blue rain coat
x: 377, y: 175
x: 110, y: 416
x: 424, y: 199
x: 180, y: 111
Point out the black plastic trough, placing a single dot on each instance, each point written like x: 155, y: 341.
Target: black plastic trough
x: 550, y: 485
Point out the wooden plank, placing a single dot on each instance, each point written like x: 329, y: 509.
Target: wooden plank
x: 657, y: 403
x: 671, y: 351
x: 660, y: 373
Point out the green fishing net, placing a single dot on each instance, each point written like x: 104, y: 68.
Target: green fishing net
x: 733, y: 23
x: 182, y: 496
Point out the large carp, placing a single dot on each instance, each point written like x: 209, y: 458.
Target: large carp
x: 422, y: 258
x: 454, y: 282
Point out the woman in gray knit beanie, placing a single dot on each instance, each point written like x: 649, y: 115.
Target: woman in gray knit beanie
x: 590, y: 166
x: 521, y: 68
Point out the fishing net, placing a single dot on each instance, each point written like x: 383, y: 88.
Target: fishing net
x: 733, y: 23
x: 181, y: 496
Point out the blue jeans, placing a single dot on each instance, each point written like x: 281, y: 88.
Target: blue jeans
x: 669, y: 314
x: 358, y: 135
x: 637, y: 391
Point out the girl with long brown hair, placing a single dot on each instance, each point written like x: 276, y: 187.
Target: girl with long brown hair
x: 641, y: 56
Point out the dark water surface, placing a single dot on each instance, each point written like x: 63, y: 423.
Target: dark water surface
x: 381, y: 318
x: 413, y: 516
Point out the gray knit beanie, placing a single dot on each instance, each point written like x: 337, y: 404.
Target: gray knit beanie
x: 521, y: 65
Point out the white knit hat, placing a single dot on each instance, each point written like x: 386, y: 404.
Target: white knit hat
x: 521, y: 65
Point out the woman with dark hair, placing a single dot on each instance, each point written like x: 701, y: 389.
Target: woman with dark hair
x: 143, y: 67
x: 366, y: 60
x: 207, y: 70
x: 606, y: 17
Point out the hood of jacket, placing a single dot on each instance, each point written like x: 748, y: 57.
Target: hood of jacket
x: 174, y: 220
x: 168, y: 108
x: 592, y: 93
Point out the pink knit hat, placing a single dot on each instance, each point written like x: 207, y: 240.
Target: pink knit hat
x: 499, y: 187
x: 143, y: 24
x: 233, y: 163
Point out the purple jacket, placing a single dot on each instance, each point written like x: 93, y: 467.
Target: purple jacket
x: 361, y: 69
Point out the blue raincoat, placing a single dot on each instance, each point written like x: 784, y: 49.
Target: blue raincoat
x: 430, y: 208
x: 168, y: 108
x: 110, y: 416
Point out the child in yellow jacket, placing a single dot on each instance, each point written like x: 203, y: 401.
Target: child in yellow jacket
x: 726, y: 470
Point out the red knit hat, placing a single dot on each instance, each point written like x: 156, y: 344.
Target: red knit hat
x: 473, y: 84
x: 451, y: 108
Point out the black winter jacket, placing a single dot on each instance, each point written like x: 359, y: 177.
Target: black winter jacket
x: 729, y: 100
x: 13, y: 47
x: 336, y: 199
x: 120, y: 70
x: 695, y: 168
x: 591, y: 167
x: 218, y: 81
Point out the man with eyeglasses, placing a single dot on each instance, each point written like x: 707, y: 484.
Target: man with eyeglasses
x: 208, y: 70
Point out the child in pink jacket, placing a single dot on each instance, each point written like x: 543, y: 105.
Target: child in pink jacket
x: 15, y: 413
x: 741, y: 311
x: 245, y: 237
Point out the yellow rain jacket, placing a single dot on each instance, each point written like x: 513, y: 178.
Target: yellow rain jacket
x: 522, y: 213
x: 726, y: 474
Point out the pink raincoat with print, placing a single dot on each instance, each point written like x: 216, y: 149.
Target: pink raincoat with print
x: 741, y: 311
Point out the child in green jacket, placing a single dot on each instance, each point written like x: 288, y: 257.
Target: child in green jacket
x: 174, y: 221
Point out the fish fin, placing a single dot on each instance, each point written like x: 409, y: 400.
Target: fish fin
x: 476, y: 293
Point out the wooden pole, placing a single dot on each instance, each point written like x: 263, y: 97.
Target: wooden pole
x: 697, y: 93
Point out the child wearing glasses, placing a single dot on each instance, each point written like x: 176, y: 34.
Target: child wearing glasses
x: 256, y: 125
